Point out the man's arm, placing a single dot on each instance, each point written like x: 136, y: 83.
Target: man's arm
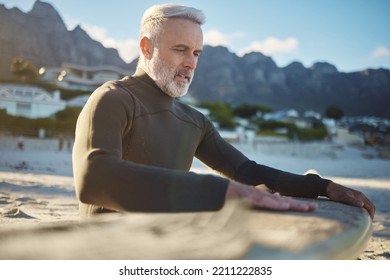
x: 226, y: 159
x: 266, y: 200
x: 309, y: 185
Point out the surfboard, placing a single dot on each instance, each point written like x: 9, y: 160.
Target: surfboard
x: 334, y: 231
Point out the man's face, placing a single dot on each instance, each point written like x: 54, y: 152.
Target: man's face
x: 175, y: 57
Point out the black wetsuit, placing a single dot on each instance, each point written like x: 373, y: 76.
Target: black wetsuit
x: 134, y: 148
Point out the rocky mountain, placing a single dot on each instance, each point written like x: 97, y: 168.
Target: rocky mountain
x: 41, y: 37
x: 256, y: 79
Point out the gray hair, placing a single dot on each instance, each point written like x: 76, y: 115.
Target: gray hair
x: 158, y: 14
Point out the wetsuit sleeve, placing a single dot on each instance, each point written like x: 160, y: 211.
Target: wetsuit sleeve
x: 310, y: 185
x: 218, y: 154
x: 226, y: 159
x: 103, y: 178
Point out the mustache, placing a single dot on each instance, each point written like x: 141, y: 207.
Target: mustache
x: 188, y: 74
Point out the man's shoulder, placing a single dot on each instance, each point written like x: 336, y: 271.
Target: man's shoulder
x: 111, y: 92
x: 118, y: 85
x: 116, y: 88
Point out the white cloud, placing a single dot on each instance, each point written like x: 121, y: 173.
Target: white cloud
x: 127, y: 49
x: 272, y: 46
x: 70, y: 23
x: 380, y: 52
x: 216, y: 38
x: 96, y: 32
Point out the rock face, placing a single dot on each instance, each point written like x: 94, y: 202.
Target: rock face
x: 256, y: 79
x: 41, y: 37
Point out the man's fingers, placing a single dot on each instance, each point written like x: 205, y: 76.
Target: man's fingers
x: 266, y: 200
x: 358, y: 199
x: 365, y: 203
x: 297, y: 205
x: 349, y: 196
x: 369, y: 206
x: 277, y: 202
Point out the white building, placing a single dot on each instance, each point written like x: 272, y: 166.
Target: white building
x: 29, y: 101
x: 78, y: 101
x: 73, y: 76
x: 281, y: 115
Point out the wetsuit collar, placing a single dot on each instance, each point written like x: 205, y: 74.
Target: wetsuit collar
x: 144, y: 77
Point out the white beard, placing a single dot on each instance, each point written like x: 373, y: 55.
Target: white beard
x: 164, y: 78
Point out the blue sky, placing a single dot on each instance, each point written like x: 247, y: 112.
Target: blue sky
x: 351, y: 34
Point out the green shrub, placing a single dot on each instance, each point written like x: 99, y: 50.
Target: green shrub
x: 272, y: 125
x: 64, y: 122
x: 248, y: 111
x: 221, y: 113
x: 308, y: 134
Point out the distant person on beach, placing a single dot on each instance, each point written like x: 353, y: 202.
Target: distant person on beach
x: 135, y: 141
x: 21, y: 143
x: 60, y: 142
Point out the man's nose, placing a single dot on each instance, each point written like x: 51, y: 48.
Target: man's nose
x: 191, y: 61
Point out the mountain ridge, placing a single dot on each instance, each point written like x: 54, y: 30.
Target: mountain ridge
x: 42, y: 37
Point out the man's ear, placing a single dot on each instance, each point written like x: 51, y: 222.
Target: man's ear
x: 147, y: 47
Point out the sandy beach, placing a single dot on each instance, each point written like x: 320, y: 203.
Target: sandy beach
x: 36, y: 184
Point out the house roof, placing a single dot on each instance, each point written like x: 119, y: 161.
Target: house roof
x: 26, y: 93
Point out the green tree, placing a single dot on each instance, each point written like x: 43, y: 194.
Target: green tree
x: 24, y: 70
x: 220, y: 112
x: 334, y: 112
x: 64, y: 122
x: 67, y: 118
x: 69, y: 113
x: 248, y: 111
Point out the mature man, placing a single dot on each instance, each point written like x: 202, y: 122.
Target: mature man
x: 135, y: 141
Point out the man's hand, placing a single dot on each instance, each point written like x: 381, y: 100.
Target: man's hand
x: 349, y: 196
x: 265, y: 199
